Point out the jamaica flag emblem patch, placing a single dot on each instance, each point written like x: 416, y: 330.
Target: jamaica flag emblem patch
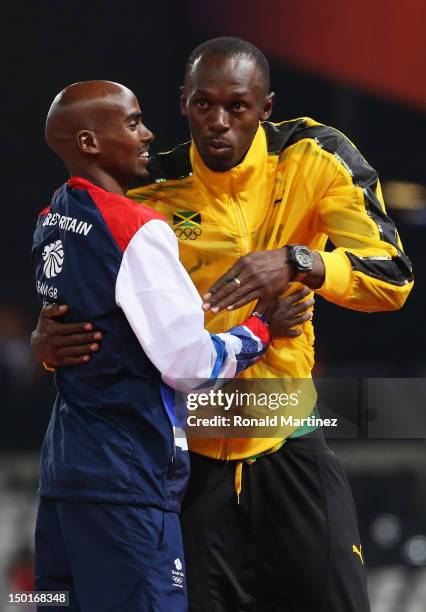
x: 187, y: 225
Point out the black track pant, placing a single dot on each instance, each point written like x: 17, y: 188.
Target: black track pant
x: 290, y: 545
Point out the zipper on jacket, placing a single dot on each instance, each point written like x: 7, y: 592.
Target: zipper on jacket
x: 241, y: 222
x: 243, y: 245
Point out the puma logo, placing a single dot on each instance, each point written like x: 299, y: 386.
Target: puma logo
x: 358, y: 551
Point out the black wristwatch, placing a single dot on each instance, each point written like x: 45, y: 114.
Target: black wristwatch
x: 302, y: 259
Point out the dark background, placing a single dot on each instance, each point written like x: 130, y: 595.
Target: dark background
x: 48, y: 45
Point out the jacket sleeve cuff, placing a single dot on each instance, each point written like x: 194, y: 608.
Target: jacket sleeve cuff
x: 338, y: 275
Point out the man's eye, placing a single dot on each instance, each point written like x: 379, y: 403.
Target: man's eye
x: 133, y: 125
x: 202, y: 103
x: 239, y: 106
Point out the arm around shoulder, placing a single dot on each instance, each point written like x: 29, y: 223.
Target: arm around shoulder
x: 164, y: 310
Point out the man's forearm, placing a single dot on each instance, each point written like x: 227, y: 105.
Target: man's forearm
x: 315, y: 278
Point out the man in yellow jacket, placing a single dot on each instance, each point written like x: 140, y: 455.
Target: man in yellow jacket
x: 256, y: 202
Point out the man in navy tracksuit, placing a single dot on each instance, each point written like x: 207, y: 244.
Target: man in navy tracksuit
x: 113, y: 470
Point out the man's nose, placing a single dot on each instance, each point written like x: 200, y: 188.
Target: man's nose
x: 219, y: 120
x: 146, y: 135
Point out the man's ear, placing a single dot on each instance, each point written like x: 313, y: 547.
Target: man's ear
x: 87, y: 142
x: 268, y: 106
x: 183, y: 100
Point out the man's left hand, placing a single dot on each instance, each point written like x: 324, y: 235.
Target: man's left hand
x: 262, y: 274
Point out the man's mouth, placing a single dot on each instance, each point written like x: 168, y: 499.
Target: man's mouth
x: 218, y: 148
x: 144, y: 154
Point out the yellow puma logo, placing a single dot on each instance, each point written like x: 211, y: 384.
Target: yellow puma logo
x: 358, y: 551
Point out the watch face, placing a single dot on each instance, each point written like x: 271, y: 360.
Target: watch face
x: 303, y: 258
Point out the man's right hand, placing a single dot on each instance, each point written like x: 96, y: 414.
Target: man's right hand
x: 59, y: 344
x: 290, y: 313
x: 285, y: 315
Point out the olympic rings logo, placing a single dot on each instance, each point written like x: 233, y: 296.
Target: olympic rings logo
x: 187, y: 233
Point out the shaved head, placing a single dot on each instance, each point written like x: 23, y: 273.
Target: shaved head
x: 78, y: 107
x: 96, y: 129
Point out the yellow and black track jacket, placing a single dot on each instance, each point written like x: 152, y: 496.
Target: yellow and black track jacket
x: 300, y: 183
